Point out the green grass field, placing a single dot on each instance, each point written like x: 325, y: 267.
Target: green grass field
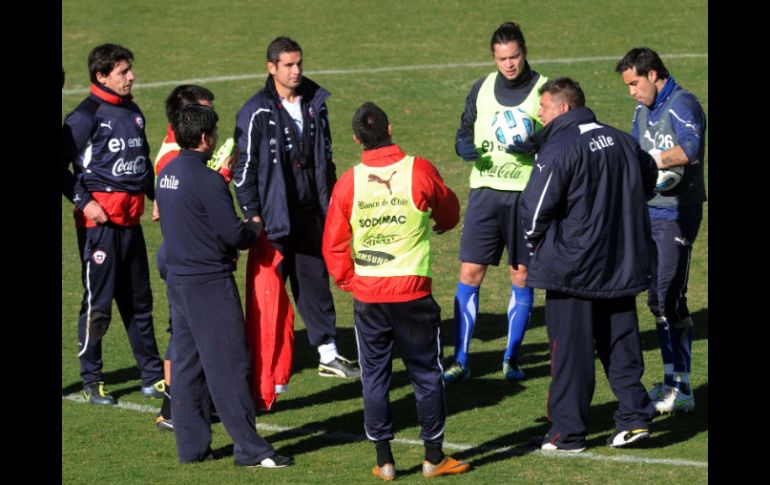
x: 417, y: 60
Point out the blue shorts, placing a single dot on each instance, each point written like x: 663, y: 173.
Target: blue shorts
x: 492, y: 221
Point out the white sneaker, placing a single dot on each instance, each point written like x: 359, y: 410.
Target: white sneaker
x: 625, y: 438
x: 675, y: 401
x: 553, y: 447
x: 658, y: 391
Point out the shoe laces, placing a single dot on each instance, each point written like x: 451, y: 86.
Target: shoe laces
x: 672, y: 393
x: 101, y: 390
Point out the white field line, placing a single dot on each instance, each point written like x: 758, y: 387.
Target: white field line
x: 371, y: 70
x: 350, y: 437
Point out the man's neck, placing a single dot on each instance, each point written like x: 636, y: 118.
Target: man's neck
x: 288, y: 94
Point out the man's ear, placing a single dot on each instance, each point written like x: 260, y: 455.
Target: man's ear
x: 356, y: 139
x: 101, y: 78
x: 390, y: 130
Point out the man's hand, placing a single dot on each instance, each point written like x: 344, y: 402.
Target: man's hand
x: 655, y: 154
x: 524, y: 147
x: 254, y: 224
x: 668, y: 159
x: 94, y: 212
x: 467, y: 150
x: 155, y: 211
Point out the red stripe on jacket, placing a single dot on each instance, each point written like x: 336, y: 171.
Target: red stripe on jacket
x: 428, y: 191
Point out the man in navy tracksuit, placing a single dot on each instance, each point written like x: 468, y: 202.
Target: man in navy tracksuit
x: 584, y: 212
x: 106, y: 144
x: 201, y: 233
x: 284, y: 176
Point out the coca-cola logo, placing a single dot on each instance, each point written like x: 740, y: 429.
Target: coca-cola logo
x: 510, y: 170
x: 131, y: 167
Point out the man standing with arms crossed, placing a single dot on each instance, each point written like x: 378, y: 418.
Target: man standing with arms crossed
x: 113, y: 173
x: 669, y: 123
x: 497, y: 178
x: 284, y: 176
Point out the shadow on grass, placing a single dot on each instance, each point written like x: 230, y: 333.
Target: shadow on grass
x: 110, y: 378
x: 665, y: 431
x: 349, y: 426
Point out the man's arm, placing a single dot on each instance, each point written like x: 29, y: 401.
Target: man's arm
x: 464, y: 146
x: 67, y: 149
x: 149, y: 177
x: 218, y: 204
x: 689, y: 123
x: 338, y: 234
x: 430, y: 191
x: 543, y: 197
x: 78, y: 128
x: 331, y: 169
x: 245, y: 177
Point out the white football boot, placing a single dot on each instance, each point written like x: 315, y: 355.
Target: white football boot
x: 675, y: 401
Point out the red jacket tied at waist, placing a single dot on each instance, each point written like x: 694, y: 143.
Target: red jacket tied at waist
x: 122, y: 208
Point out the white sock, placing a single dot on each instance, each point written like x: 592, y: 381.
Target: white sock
x: 328, y: 352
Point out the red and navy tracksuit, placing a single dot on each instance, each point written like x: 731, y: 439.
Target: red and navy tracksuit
x: 201, y: 233
x: 584, y: 210
x: 109, y: 151
x: 392, y: 310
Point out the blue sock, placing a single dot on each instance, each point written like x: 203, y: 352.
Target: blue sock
x: 519, y: 308
x: 466, y: 311
x: 681, y: 344
x: 666, y: 350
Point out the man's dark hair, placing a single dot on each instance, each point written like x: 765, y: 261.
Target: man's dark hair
x: 644, y: 60
x: 279, y: 45
x: 370, y: 125
x: 565, y: 90
x: 102, y: 59
x: 509, y: 32
x: 185, y: 95
x: 193, y: 121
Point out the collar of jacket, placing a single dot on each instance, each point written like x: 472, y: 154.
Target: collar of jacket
x: 382, y: 156
x: 170, y: 135
x: 106, y: 94
x: 571, y: 118
x: 664, y: 93
x: 308, y: 89
x: 202, y: 156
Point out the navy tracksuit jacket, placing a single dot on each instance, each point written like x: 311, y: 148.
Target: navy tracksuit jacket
x: 104, y: 139
x: 201, y: 233
x: 584, y: 211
